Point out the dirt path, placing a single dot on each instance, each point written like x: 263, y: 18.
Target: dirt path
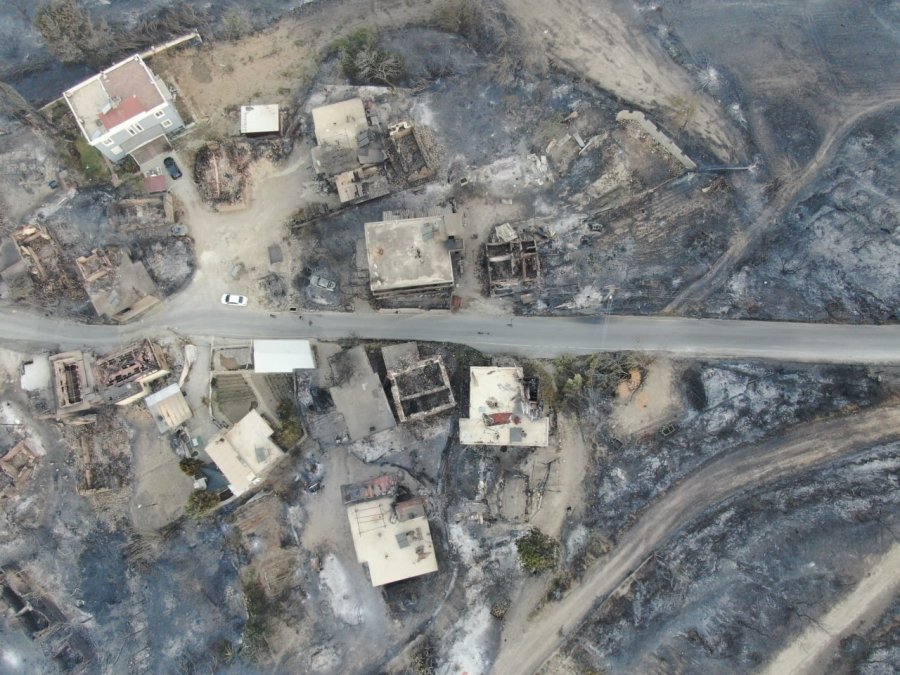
x: 749, y: 467
x: 598, y: 40
x: 792, y: 187
x: 810, y: 652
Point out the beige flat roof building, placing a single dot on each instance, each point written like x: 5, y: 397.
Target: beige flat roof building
x: 499, y: 411
x: 169, y: 408
x: 392, y: 539
x: 245, y: 453
x: 260, y: 119
x: 412, y: 255
x: 340, y: 123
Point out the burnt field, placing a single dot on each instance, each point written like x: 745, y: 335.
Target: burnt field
x: 719, y: 407
x: 744, y: 578
x: 832, y: 257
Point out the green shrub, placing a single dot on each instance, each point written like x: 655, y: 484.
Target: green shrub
x: 200, y: 502
x: 363, y: 61
x: 537, y: 551
x: 191, y: 466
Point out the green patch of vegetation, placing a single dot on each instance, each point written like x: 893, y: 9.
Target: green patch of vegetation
x: 258, y: 608
x: 200, y: 502
x: 291, y: 431
x: 70, y: 34
x: 575, y: 376
x: 191, y: 466
x: 90, y: 162
x: 538, y: 552
x: 363, y: 61
x: 235, y: 25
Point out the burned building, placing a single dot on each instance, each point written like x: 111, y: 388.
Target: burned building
x: 503, y: 409
x: 361, y: 185
x: 16, y: 468
x: 512, y: 261
x: 142, y: 213
x: 407, y: 154
x: 42, y: 619
x: 123, y: 376
x: 420, y: 387
x: 392, y: 538
x: 14, y: 271
x: 413, y: 255
x: 119, y: 288
x: 349, y: 151
x: 43, y: 256
x: 73, y: 383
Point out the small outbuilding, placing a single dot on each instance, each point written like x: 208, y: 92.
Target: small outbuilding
x: 259, y: 120
x: 282, y: 356
x: 169, y: 408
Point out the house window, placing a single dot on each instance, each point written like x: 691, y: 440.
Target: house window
x: 108, y: 141
x: 132, y: 131
x: 138, y: 127
x: 166, y: 124
x: 159, y: 113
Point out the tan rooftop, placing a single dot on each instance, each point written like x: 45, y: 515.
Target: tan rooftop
x: 125, y: 90
x: 168, y: 408
x: 245, y: 453
x: 498, y: 411
x: 340, y: 123
x: 408, y: 255
x: 393, y: 540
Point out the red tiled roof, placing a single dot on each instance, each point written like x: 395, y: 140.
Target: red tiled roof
x: 155, y: 183
x: 126, y: 110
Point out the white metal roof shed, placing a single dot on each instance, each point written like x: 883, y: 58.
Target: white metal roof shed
x: 260, y: 119
x: 282, y: 356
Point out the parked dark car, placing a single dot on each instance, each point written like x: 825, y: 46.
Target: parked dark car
x: 172, y: 168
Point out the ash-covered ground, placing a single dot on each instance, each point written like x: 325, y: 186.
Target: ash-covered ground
x: 738, y: 583
x: 832, y: 257
x: 722, y: 406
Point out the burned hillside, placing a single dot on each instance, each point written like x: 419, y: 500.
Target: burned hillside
x: 831, y: 258
x: 718, y: 407
x: 741, y: 580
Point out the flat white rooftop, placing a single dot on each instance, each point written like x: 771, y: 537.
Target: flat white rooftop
x: 282, y: 356
x: 340, y: 123
x: 498, y: 411
x: 408, y: 254
x: 260, y: 119
x: 393, y: 540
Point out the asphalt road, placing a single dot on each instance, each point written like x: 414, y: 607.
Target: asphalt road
x: 535, y: 337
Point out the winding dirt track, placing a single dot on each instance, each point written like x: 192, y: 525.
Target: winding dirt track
x: 809, y: 653
x: 528, y: 644
x: 698, y: 291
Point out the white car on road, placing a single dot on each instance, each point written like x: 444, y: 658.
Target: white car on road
x: 237, y: 300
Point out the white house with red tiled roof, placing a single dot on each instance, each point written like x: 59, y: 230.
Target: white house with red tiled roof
x: 123, y: 108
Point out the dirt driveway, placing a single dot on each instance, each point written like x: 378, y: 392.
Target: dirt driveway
x: 750, y: 467
x: 601, y: 43
x: 809, y: 653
